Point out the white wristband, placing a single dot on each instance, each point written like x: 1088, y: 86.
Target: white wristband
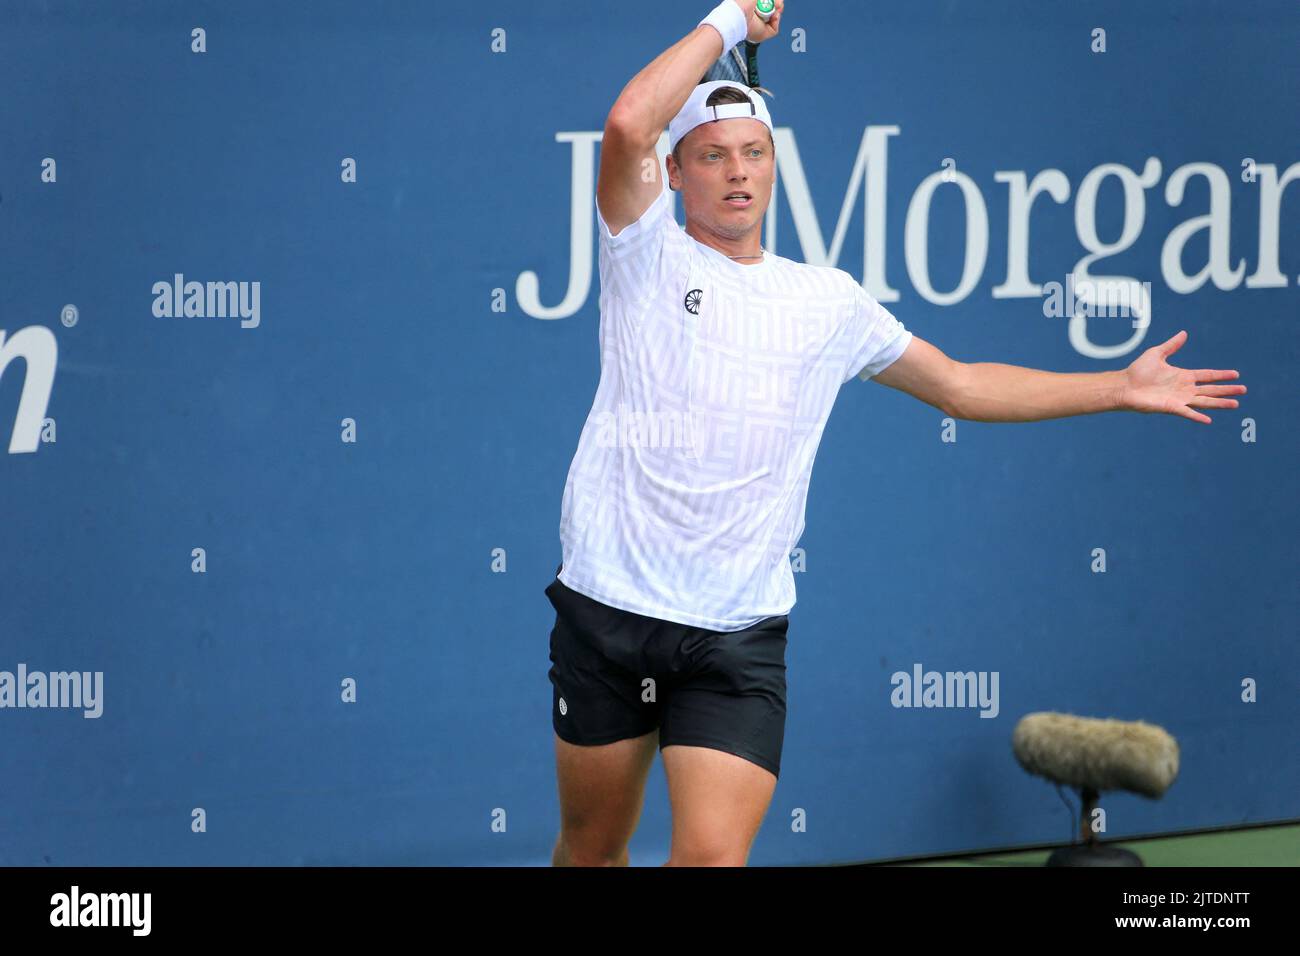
x: 730, y: 21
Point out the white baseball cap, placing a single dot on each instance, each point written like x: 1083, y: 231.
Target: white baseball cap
x: 695, y: 113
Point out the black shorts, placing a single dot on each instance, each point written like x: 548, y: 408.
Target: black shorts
x: 615, y: 674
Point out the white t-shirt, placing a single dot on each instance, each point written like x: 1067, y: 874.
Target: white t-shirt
x: 687, y: 491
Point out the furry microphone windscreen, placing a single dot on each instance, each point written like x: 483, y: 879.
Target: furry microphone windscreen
x: 1101, y: 754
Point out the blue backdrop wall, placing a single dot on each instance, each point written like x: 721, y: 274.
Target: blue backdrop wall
x: 356, y: 481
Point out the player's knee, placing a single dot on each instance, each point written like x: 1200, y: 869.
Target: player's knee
x: 707, y: 853
x: 589, y: 850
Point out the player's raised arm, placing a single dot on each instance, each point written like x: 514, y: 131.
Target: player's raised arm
x: 630, y: 177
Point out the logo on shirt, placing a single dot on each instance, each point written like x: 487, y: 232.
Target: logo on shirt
x: 693, y: 301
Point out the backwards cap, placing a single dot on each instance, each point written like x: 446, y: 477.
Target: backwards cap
x: 695, y: 113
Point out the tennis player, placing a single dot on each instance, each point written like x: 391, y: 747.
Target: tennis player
x: 720, y: 363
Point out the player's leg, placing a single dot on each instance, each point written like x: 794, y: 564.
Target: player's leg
x: 602, y: 789
x: 605, y: 734
x: 721, y: 736
x: 719, y: 800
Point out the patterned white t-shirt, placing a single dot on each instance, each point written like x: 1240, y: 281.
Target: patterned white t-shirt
x: 687, y: 491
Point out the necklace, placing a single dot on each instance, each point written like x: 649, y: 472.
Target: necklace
x: 759, y: 256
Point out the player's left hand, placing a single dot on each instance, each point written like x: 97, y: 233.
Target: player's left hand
x: 1151, y: 384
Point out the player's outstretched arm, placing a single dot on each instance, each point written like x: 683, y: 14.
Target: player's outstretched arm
x: 630, y: 177
x: 992, y: 392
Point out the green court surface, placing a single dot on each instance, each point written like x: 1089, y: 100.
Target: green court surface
x: 1272, y: 845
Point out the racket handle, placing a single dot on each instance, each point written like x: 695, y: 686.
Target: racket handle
x: 765, y: 9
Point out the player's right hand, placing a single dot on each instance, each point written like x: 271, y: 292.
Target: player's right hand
x: 758, y: 29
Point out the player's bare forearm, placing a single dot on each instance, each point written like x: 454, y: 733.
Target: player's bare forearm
x: 656, y: 94
x: 993, y: 392
x: 653, y: 96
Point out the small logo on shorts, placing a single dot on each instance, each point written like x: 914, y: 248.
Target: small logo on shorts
x: 564, y: 708
x: 693, y: 301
